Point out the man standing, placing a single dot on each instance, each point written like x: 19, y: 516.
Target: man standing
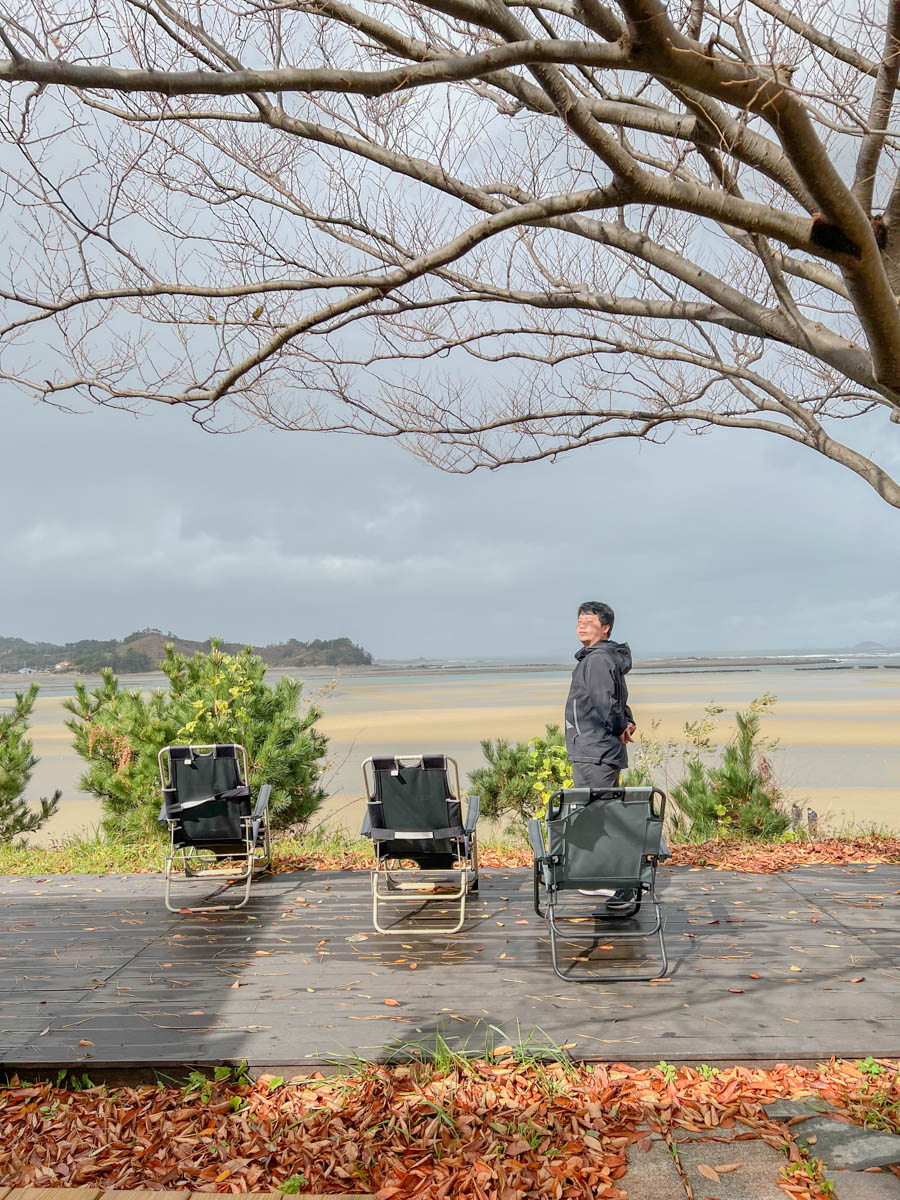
x: 599, y: 723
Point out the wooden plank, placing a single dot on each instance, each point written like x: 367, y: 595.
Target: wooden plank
x: 41, y: 1193
x: 140, y: 1194
x: 315, y: 983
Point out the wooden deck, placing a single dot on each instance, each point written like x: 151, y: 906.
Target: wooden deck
x: 97, y: 974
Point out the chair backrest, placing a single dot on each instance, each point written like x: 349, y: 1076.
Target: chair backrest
x: 205, y: 791
x: 409, y: 796
x: 603, y: 837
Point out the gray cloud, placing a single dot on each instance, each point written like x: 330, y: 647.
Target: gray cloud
x: 723, y: 542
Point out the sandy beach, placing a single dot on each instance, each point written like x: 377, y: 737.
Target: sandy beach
x: 839, y: 731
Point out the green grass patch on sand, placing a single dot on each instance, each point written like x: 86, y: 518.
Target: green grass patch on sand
x: 94, y: 855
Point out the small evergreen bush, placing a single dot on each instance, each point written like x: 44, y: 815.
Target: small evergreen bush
x: 504, y: 785
x: 17, y: 761
x: 739, y: 798
x: 213, y: 697
x: 520, y: 778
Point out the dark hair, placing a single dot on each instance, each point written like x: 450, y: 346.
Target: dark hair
x: 600, y: 610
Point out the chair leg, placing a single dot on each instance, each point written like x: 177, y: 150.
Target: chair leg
x: 189, y: 871
x: 169, y: 860
x: 406, y: 898
x: 537, y: 892
x: 245, y: 877
x: 643, y: 977
x: 265, y: 862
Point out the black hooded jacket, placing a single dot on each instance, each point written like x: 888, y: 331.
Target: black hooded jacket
x: 597, y: 711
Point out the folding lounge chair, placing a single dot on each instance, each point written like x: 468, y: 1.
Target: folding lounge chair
x: 413, y: 814
x: 206, y: 805
x: 599, y: 838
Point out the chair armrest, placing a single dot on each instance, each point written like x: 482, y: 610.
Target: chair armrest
x: 262, y: 801
x: 474, y: 807
x: 536, y: 837
x: 658, y: 803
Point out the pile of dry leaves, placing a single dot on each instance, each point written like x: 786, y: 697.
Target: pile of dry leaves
x: 764, y: 858
x: 767, y: 858
x: 494, y: 1129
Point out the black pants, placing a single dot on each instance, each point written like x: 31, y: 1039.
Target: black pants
x: 595, y: 775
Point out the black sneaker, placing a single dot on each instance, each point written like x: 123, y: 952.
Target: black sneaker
x: 624, y: 903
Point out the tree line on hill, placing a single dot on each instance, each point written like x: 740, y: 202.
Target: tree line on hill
x: 144, y: 649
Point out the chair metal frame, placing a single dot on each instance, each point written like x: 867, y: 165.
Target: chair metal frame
x: 545, y: 868
x: 409, y: 880
x: 255, y: 852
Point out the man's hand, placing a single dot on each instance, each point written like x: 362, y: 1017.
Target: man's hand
x: 627, y: 736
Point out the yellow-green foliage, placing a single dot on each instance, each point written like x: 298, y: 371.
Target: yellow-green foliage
x: 520, y: 778
x: 551, y: 768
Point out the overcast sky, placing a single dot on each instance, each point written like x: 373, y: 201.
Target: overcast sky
x: 728, y: 542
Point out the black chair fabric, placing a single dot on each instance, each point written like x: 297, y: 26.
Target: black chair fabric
x: 603, y: 838
x: 207, y: 796
x: 600, y: 838
x: 415, y: 798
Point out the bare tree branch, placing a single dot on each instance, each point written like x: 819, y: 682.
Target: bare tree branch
x: 809, y: 31
x: 879, y: 112
x: 491, y: 230
x: 293, y: 79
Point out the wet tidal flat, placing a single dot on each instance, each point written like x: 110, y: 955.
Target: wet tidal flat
x: 838, y: 731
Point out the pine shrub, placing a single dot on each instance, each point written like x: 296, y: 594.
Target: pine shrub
x: 739, y: 798
x: 17, y: 761
x: 213, y: 697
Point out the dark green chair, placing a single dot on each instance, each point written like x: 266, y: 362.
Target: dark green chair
x: 414, y: 815
x: 599, y: 838
x: 208, y: 808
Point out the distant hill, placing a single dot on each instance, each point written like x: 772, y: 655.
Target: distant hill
x: 143, y: 650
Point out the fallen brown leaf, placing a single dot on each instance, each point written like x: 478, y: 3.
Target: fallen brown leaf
x: 157, y: 1138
